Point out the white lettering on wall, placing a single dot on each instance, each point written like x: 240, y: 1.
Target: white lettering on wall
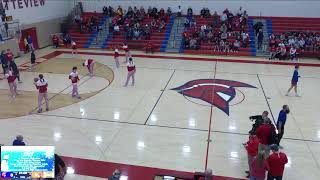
x: 21, y: 4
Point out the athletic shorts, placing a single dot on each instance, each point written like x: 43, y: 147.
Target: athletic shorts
x: 294, y: 83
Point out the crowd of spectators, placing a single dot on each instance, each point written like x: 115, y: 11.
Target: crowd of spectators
x: 225, y: 32
x: 86, y: 24
x: 289, y: 45
x: 133, y: 21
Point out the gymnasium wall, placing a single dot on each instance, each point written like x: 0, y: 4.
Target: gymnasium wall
x: 287, y: 8
x: 10, y: 44
x: 32, y: 11
x: 45, y: 29
x: 44, y: 15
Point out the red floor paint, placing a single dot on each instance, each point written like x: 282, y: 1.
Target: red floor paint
x: 52, y: 55
x: 102, y: 169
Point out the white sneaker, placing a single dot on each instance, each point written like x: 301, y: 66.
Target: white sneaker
x: 297, y: 95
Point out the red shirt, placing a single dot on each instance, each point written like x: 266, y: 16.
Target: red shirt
x: 88, y: 63
x: 74, y: 46
x: 116, y: 54
x: 55, y: 39
x: 74, y: 77
x: 263, y: 133
x: 42, y: 85
x: 11, y: 78
x: 277, y: 162
x: 273, y: 49
x: 131, y: 66
x: 9, y: 56
x: 258, y: 171
x: 125, y: 48
x: 252, y: 146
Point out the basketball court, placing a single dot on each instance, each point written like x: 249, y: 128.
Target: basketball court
x: 169, y: 119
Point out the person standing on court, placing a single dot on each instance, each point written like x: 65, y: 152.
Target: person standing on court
x: 263, y: 133
x: 32, y: 59
x: 282, y: 118
x: 294, y: 81
x: 42, y: 85
x: 10, y: 56
x: 276, y: 163
x: 116, y: 58
x: 13, y: 66
x: 131, y: 71
x: 30, y: 43
x: 127, y: 51
x: 74, y: 77
x: 12, y: 83
x: 90, y: 65
x: 258, y: 167
x: 252, y: 150
x: 4, y: 62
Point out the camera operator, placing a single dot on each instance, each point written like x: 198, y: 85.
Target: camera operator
x: 259, y: 119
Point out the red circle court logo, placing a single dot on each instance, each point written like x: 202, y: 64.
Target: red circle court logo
x: 216, y: 92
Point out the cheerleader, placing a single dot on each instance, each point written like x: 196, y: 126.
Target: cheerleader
x: 116, y: 57
x: 74, y: 80
x: 12, y: 83
x: 131, y: 71
x: 90, y: 64
x: 127, y: 51
x: 42, y: 85
x: 74, y: 48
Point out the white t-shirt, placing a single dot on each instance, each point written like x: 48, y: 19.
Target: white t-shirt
x: 179, y: 10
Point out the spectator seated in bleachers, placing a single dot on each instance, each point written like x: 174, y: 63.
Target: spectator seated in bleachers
x: 66, y: 39
x: 153, y: 24
x: 147, y: 32
x: 169, y: 12
x: 119, y: 11
x: 105, y: 10
x: 293, y: 53
x: 301, y: 41
x: 189, y: 13
x: 161, y: 25
x: 236, y: 45
x: 149, y: 47
x: 193, y: 43
x: 136, y: 33
x: 229, y: 36
x: 55, y: 41
x: 273, y: 51
x: 205, y: 13
x: 187, y: 23
x: 111, y: 12
x: 179, y: 11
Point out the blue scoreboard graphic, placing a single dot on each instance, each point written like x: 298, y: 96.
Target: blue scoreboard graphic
x: 27, y: 162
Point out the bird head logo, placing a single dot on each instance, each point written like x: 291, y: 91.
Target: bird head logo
x: 217, y: 92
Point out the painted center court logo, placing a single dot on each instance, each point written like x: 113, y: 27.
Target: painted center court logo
x: 216, y: 92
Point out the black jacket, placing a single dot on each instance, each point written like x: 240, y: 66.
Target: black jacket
x: 14, y: 67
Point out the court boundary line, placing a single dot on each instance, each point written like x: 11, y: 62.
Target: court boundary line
x: 162, y: 91
x: 81, y: 83
x: 265, y: 96
x: 210, y: 121
x: 289, y: 63
x: 164, y: 126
